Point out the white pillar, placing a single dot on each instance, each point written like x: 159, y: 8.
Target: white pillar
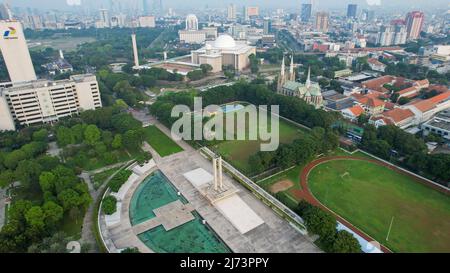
x: 220, y: 174
x: 215, y: 172
x: 135, y: 51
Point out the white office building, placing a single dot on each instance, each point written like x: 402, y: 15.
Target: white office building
x: 43, y: 101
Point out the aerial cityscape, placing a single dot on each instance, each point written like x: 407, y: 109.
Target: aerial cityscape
x: 167, y: 126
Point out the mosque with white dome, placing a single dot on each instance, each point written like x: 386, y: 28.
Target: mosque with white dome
x: 224, y: 51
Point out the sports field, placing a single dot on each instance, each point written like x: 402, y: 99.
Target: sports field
x: 237, y: 152
x: 372, y: 197
x: 163, y: 145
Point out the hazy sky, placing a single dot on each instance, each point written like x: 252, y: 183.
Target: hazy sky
x: 222, y: 3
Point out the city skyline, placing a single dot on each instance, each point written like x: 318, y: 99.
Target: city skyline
x: 320, y: 4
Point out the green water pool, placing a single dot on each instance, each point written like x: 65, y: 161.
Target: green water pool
x: 192, y: 237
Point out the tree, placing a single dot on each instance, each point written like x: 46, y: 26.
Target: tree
x: 92, y: 134
x: 117, y: 142
x: 206, y: 68
x: 35, y: 217
x: 132, y: 139
x: 344, y: 242
x: 323, y: 82
x: 195, y: 75
x: 130, y: 250
x: 6, y: 178
x: 109, y: 205
x: 403, y: 100
x: 47, y: 181
x: 254, y: 63
x: 69, y: 199
x: 319, y: 222
x: 53, y: 214
x: 57, y: 243
x: 12, y: 159
x: 64, y: 136
x: 40, y: 135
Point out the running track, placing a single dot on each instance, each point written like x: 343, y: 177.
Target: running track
x: 306, y: 194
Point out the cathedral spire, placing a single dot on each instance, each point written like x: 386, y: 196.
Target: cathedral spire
x: 291, y: 69
x: 308, y: 80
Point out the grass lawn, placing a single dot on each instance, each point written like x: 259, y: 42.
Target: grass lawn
x: 163, y: 145
x: 72, y: 226
x: 237, y: 152
x: 99, y: 178
x: 369, y: 195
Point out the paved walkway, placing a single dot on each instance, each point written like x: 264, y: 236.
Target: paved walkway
x: 2, y: 207
x: 87, y: 231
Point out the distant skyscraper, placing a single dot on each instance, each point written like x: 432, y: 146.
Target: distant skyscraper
x: 414, y: 23
x: 267, y: 26
x: 231, y: 14
x: 322, y: 21
x: 15, y: 52
x: 351, y: 10
x: 191, y: 22
x: 252, y: 11
x: 245, y: 13
x: 104, y: 17
x: 5, y: 12
x: 158, y: 6
x: 306, y: 12
x: 145, y: 7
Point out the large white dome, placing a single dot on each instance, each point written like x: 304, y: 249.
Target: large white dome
x: 224, y: 41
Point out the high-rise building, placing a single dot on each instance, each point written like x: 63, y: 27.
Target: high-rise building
x: 368, y: 15
x: 15, y: 52
x: 191, y: 22
x: 414, y: 23
x: 322, y: 21
x: 5, y: 12
x: 231, y: 13
x: 385, y: 36
x: 352, y: 10
x: 104, y: 18
x: 400, y: 35
x: 252, y: 11
x: 267, y: 26
x: 145, y: 7
x: 306, y: 13
x: 43, y: 101
x: 245, y: 13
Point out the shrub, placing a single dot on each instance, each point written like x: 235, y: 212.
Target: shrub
x: 109, y: 205
x: 118, y: 180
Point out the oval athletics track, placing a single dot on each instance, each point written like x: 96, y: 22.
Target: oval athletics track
x: 307, y: 195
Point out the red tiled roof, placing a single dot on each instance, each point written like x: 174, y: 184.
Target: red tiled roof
x: 356, y: 110
x: 441, y: 97
x: 375, y: 62
x: 408, y: 90
x: 373, y: 102
x: 398, y: 114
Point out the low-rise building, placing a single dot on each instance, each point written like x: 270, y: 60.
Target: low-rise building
x: 402, y: 118
x: 376, y: 65
x: 439, y: 125
x: 353, y: 112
